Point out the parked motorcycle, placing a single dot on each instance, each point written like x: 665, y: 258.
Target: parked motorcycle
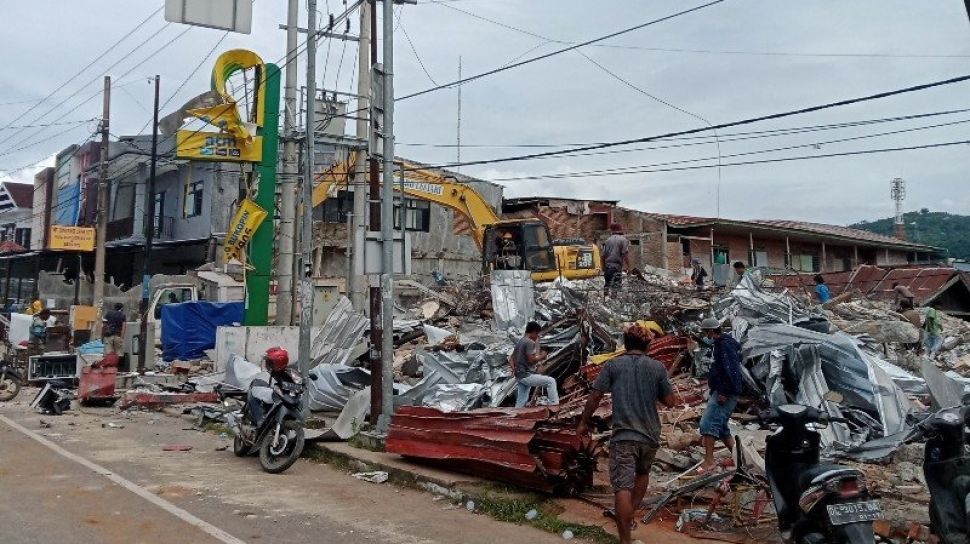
x: 815, y: 502
x: 271, y: 421
x: 10, y: 382
x: 946, y: 468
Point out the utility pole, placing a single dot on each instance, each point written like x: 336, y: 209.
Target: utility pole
x: 101, y: 233
x: 306, y: 282
x: 146, y: 277
x: 358, y: 236
x: 287, y: 243
x: 373, y: 212
x: 897, y: 189
x: 458, y: 142
x: 387, y: 224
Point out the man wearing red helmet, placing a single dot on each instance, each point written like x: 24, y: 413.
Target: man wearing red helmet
x: 260, y: 393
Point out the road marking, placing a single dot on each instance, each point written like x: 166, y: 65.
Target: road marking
x: 205, y: 526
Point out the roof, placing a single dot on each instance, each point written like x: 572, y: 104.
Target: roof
x: 798, y: 227
x: 926, y: 283
x: 21, y: 195
x: 9, y: 246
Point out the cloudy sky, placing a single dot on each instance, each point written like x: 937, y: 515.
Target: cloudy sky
x: 727, y: 62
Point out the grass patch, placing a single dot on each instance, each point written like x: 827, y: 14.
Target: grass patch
x: 217, y: 428
x: 512, y: 507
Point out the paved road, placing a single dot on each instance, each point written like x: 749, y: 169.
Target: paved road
x: 47, y: 496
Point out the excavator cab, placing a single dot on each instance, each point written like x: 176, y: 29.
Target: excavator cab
x: 518, y: 245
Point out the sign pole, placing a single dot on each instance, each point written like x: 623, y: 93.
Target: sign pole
x: 261, y: 247
x: 102, y: 229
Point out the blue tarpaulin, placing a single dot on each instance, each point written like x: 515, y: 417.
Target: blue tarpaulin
x: 189, y: 328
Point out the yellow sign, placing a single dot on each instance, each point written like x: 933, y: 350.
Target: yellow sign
x: 72, y: 238
x: 211, y: 146
x: 244, y: 224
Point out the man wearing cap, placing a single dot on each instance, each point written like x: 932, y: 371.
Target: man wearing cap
x: 725, y: 385
x: 615, y: 256
x: 637, y: 384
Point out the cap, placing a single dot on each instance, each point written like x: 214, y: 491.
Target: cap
x: 710, y: 324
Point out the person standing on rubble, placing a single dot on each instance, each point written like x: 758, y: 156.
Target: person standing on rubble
x: 740, y: 269
x: 912, y: 315
x: 698, y: 274
x: 637, y: 384
x: 525, y: 354
x: 615, y: 255
x: 901, y: 293
x: 822, y: 290
x: 113, y: 330
x: 933, y: 332
x: 725, y: 385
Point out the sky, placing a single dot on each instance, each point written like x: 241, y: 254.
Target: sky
x: 730, y: 61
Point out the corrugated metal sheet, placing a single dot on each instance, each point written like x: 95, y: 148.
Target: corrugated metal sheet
x: 875, y: 282
x: 517, y: 446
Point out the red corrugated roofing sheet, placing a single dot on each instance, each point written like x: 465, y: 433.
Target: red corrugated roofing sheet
x: 875, y: 282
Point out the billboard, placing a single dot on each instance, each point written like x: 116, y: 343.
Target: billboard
x: 233, y: 15
x: 72, y: 238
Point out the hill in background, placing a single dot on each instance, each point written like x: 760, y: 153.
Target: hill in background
x: 940, y: 229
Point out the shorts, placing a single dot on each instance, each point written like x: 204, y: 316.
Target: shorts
x: 114, y: 344
x: 714, y: 422
x: 628, y: 459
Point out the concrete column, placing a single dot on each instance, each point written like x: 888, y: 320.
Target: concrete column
x: 822, y: 266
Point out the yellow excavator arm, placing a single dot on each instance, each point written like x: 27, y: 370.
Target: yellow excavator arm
x: 570, y: 261
x: 423, y: 185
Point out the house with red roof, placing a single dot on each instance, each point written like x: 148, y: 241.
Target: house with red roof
x: 16, y: 216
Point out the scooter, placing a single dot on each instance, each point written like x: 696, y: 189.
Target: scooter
x: 10, y: 382
x: 815, y: 502
x: 271, y: 421
x: 946, y: 468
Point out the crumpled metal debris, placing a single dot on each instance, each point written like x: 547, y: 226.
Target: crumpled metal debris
x: 513, y: 299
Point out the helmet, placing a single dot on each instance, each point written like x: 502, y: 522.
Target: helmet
x: 277, y: 359
x: 710, y: 324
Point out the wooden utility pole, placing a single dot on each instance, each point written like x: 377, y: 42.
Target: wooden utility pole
x: 146, y: 349
x: 101, y: 233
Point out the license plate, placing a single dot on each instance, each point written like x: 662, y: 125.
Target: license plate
x: 584, y: 259
x: 854, y: 512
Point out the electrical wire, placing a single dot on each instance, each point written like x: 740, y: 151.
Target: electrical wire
x: 82, y: 70
x: 816, y: 145
x: 747, y: 121
x: 414, y: 50
x: 559, y: 51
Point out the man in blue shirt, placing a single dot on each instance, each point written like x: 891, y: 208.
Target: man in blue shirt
x: 726, y: 384
x: 822, y: 290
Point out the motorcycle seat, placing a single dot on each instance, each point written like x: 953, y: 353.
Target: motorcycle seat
x: 819, y: 473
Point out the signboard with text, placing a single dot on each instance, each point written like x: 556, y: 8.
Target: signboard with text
x: 65, y: 238
x: 209, y: 146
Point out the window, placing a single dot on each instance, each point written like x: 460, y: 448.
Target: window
x: 721, y: 255
x: 759, y: 257
x: 417, y: 215
x: 336, y: 209
x: 193, y: 197
x: 22, y: 237
x: 159, y: 212
x: 806, y: 262
x: 538, y: 247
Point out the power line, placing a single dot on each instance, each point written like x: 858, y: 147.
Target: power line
x: 82, y: 70
x: 790, y: 113
x: 817, y: 145
x: 414, y: 50
x: 560, y: 51
x: 444, y: 4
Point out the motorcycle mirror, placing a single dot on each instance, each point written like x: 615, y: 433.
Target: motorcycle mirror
x: 834, y: 397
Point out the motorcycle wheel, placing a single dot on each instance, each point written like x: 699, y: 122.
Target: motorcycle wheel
x: 239, y: 448
x: 9, y: 388
x: 275, y: 458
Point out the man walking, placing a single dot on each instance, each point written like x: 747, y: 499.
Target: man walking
x: 637, y: 384
x: 933, y: 332
x: 113, y: 330
x: 524, y: 356
x: 725, y: 385
x: 615, y: 256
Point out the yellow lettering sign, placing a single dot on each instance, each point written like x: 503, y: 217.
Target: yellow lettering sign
x: 244, y: 223
x: 71, y: 238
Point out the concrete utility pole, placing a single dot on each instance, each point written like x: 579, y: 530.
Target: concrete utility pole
x: 356, y: 286
x: 897, y: 189
x: 101, y: 233
x: 144, y: 355
x: 306, y: 282
x: 286, y: 243
x: 387, y: 224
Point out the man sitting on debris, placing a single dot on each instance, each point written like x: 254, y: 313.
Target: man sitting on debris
x: 615, y: 255
x: 725, y: 384
x: 822, y: 290
x: 526, y: 354
x: 637, y: 384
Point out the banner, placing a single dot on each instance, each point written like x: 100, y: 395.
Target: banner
x: 244, y: 223
x: 72, y: 238
x: 208, y: 146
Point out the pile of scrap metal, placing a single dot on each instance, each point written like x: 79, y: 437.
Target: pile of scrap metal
x: 521, y: 447
x: 791, y: 355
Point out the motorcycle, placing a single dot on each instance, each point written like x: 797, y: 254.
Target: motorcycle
x: 946, y: 468
x: 815, y: 502
x: 271, y: 420
x: 10, y: 382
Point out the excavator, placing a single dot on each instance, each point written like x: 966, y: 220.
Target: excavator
x: 506, y: 244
